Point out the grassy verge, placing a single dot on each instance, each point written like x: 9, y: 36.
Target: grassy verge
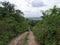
x: 25, y: 40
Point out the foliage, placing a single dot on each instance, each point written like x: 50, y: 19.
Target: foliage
x: 12, y: 23
x: 25, y: 40
x: 47, y: 30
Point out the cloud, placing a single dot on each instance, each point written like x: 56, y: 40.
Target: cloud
x: 29, y: 1
x: 51, y: 3
x: 32, y: 8
x: 37, y: 3
x: 32, y: 14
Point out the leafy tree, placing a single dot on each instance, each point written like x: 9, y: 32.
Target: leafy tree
x: 47, y: 30
x: 12, y: 22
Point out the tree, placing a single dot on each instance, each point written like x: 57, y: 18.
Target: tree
x: 9, y: 10
x: 12, y: 22
x: 8, y: 7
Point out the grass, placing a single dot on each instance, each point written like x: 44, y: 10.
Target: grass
x: 25, y: 40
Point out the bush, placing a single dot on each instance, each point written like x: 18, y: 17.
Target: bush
x: 48, y: 29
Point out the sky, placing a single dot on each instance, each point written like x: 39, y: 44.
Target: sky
x: 33, y: 8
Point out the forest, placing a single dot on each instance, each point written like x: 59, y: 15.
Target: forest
x: 12, y: 24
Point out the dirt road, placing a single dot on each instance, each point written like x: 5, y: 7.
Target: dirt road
x: 18, y: 40
x: 31, y: 39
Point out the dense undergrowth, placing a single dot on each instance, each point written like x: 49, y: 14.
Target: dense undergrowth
x: 47, y: 30
x: 12, y: 23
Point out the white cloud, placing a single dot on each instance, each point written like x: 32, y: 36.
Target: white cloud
x: 38, y: 3
x: 29, y: 10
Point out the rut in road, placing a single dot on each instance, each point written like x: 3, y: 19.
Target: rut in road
x: 18, y: 40
x: 31, y: 39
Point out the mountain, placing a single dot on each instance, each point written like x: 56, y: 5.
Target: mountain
x: 33, y: 18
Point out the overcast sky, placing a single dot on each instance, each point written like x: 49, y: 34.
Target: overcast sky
x: 32, y: 8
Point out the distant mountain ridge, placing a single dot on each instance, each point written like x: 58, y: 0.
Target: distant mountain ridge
x: 33, y: 18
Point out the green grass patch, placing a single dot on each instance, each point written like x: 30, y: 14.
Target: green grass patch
x: 25, y: 40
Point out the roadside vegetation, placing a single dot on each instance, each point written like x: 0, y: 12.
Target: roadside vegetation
x: 12, y: 22
x: 47, y: 30
x: 25, y: 40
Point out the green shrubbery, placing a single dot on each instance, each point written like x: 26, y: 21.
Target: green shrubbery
x: 48, y: 29
x: 12, y: 23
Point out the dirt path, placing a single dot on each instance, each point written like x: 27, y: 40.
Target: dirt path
x: 31, y: 39
x: 18, y: 40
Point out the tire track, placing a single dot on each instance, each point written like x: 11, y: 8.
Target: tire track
x: 18, y: 40
x: 31, y: 39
